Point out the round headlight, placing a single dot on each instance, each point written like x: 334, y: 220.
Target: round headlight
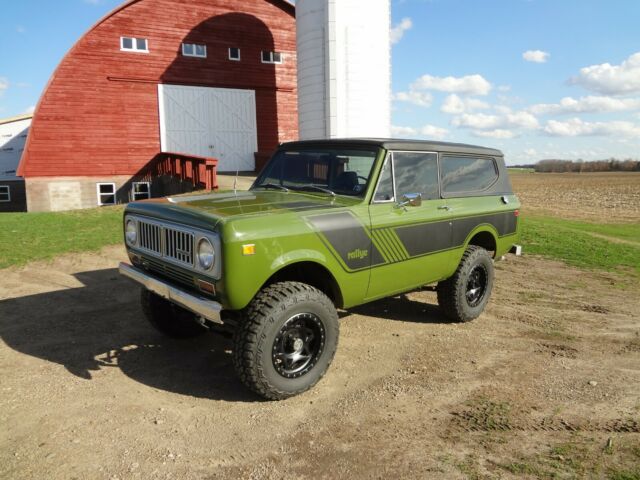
x: 131, y: 232
x: 206, y: 254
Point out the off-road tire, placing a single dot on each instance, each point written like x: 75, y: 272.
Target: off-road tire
x: 256, y: 341
x: 168, y: 318
x: 453, y: 292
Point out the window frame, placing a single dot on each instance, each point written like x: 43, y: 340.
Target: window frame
x: 467, y: 193
x: 239, y: 54
x: 393, y: 175
x: 7, y: 192
x: 134, y: 193
x: 271, y: 60
x: 100, y: 194
x: 194, y: 54
x: 135, y: 44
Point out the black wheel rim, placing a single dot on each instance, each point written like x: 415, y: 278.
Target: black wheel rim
x: 298, y: 345
x: 476, y: 285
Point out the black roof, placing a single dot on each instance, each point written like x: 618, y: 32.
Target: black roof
x: 397, y: 144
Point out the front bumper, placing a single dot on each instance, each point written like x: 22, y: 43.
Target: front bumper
x: 208, y: 309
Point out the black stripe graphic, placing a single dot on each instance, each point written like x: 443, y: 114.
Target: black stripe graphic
x: 348, y: 238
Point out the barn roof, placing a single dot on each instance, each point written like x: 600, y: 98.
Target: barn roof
x: 16, y: 118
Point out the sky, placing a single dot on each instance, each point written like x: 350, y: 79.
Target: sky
x: 535, y: 78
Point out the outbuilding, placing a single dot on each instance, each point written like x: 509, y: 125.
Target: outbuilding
x: 154, y: 90
x: 13, y: 136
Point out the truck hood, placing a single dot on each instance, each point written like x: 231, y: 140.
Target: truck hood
x: 206, y: 211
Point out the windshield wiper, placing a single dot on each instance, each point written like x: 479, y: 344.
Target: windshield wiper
x: 273, y: 185
x: 316, y: 187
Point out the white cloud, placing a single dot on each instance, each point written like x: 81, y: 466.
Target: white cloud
x: 536, y: 56
x: 476, y: 120
x: 398, y: 30
x: 481, y: 121
x: 467, y: 85
x: 575, y: 127
x: 531, y: 152
x: 610, y: 79
x: 496, y: 133
x: 403, y: 132
x: 30, y: 109
x: 504, y: 88
x: 422, y: 99
x: 589, y: 104
x: 434, y: 132
x: 4, y: 85
x: 456, y: 105
x: 20, y: 29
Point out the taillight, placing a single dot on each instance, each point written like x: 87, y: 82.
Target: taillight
x: 516, y: 213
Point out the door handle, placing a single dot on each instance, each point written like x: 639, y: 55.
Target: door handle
x: 445, y: 207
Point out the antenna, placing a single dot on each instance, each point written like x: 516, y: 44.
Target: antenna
x: 235, y: 182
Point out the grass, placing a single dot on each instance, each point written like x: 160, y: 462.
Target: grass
x: 520, y: 170
x: 25, y: 237
x: 582, y: 244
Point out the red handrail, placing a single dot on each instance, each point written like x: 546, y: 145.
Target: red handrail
x: 200, y: 171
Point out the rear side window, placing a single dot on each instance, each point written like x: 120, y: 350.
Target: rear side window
x: 461, y: 174
x: 416, y: 172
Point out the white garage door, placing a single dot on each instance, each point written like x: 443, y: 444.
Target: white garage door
x: 210, y: 122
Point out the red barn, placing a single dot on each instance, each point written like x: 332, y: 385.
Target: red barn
x: 153, y: 87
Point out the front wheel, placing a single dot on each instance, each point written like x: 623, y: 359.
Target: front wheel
x: 286, y: 340
x: 463, y: 296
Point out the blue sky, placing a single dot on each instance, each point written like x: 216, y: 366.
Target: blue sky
x: 536, y: 78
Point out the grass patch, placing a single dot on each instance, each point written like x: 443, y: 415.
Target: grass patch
x: 574, y: 242
x: 520, y: 170
x: 25, y: 237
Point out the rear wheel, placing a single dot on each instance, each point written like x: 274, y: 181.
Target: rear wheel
x: 168, y: 318
x: 464, y: 295
x: 286, y: 340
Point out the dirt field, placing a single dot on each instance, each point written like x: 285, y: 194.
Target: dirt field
x: 596, y: 197
x: 546, y: 382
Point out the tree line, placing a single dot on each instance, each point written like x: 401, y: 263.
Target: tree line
x: 579, y: 166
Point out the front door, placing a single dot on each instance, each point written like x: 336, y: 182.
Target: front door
x: 210, y: 122
x: 415, y: 240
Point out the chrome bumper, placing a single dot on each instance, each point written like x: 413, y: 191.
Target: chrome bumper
x: 204, y: 307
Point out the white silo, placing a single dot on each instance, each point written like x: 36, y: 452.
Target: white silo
x: 344, y: 68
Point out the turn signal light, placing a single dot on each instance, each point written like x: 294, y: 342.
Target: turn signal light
x: 249, y: 249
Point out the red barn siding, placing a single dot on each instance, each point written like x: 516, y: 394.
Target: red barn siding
x: 99, y: 114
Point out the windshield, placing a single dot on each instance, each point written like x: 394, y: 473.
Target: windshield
x: 328, y: 171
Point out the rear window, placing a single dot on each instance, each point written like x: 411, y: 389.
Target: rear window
x: 462, y: 174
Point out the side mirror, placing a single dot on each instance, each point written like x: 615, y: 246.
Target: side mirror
x: 410, y: 199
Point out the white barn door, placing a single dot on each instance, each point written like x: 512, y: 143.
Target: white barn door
x: 209, y: 122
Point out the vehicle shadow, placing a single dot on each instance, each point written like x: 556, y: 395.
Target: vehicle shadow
x: 402, y: 309
x: 100, y: 325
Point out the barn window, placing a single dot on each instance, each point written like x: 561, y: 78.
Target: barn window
x: 5, y: 193
x: 106, y: 193
x: 194, y: 50
x: 140, y: 191
x: 271, y: 57
x: 130, y: 44
x: 234, y: 54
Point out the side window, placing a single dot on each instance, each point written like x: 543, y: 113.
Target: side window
x: 106, y: 193
x: 140, y: 191
x: 467, y: 174
x: 5, y: 193
x: 384, y: 192
x: 416, y: 172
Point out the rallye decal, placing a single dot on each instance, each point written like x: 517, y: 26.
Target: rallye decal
x: 348, y: 238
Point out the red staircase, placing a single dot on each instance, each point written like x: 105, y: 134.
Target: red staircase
x: 200, y: 171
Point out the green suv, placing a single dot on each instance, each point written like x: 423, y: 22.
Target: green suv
x: 327, y: 224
